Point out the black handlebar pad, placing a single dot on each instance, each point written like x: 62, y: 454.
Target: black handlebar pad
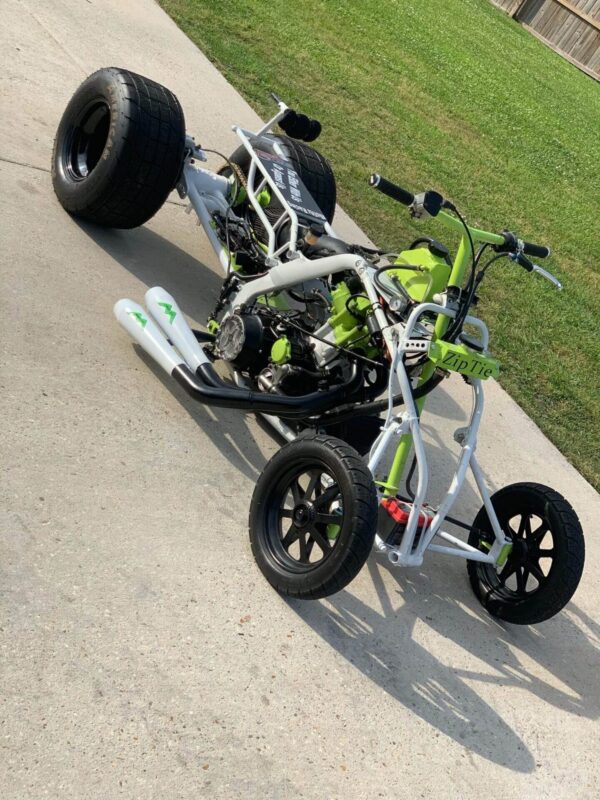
x: 299, y: 126
x: 393, y: 191
x: 536, y: 250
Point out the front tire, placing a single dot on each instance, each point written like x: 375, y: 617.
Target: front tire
x: 119, y: 149
x: 545, y: 565
x: 313, y: 517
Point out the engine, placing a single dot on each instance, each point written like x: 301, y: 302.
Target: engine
x: 298, y: 341
x: 265, y: 345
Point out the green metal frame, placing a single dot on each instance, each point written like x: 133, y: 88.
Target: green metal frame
x: 460, y: 266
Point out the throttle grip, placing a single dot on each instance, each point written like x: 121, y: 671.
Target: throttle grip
x: 391, y: 190
x: 523, y: 261
x: 536, y: 250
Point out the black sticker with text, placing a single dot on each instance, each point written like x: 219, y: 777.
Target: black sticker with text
x: 289, y: 183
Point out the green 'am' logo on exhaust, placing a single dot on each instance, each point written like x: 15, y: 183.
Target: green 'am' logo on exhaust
x: 168, y: 309
x: 140, y: 318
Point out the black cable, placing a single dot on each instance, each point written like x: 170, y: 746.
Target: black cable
x: 491, y: 261
x: 452, y: 332
x: 350, y: 353
x: 355, y: 314
x: 458, y: 323
x: 468, y: 293
x: 452, y: 207
x: 304, y: 298
x: 409, y: 478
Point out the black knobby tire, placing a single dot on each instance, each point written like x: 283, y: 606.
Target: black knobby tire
x: 119, y: 149
x: 313, y: 517
x: 314, y: 170
x: 546, y: 563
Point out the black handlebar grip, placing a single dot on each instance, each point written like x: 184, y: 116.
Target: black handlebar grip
x: 524, y: 262
x: 536, y: 250
x: 393, y: 191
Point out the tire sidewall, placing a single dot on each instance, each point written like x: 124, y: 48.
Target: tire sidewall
x: 309, y: 453
x: 105, y: 86
x: 508, y: 502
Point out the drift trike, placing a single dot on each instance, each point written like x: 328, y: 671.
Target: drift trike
x: 320, y: 336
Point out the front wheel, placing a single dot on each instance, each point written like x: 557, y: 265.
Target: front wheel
x: 313, y: 517
x: 545, y: 565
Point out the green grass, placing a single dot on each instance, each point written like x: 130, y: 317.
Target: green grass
x: 451, y: 95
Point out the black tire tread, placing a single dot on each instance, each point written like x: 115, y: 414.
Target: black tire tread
x: 364, y: 520
x: 314, y: 170
x: 316, y: 173
x: 539, y: 609
x: 146, y: 162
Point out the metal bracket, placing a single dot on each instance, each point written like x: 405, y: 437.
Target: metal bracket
x: 415, y: 345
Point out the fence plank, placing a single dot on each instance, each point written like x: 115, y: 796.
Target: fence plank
x: 510, y: 6
x: 570, y: 27
x: 593, y: 70
x: 579, y: 12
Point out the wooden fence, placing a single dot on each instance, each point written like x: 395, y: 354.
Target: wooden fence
x: 570, y: 27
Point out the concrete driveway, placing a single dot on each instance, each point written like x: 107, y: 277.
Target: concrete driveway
x: 143, y: 655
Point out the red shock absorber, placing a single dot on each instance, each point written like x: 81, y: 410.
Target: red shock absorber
x: 393, y: 518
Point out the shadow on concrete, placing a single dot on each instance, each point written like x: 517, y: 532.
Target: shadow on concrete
x: 379, y: 642
x: 228, y: 429
x: 156, y: 261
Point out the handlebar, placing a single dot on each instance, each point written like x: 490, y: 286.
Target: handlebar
x: 433, y: 203
x: 512, y: 244
x: 299, y: 126
x: 391, y: 190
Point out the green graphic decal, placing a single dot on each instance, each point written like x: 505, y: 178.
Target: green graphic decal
x: 168, y: 309
x: 140, y: 318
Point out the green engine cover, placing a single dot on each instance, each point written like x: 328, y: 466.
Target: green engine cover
x: 429, y: 277
x: 281, y: 352
x: 348, y: 319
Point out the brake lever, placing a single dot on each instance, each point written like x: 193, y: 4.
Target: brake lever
x: 523, y: 261
x: 548, y: 276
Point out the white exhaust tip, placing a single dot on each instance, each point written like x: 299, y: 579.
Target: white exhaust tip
x: 146, y: 333
x: 164, y: 309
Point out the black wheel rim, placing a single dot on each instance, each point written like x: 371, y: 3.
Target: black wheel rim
x: 304, y: 517
x: 529, y: 564
x: 86, y: 140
